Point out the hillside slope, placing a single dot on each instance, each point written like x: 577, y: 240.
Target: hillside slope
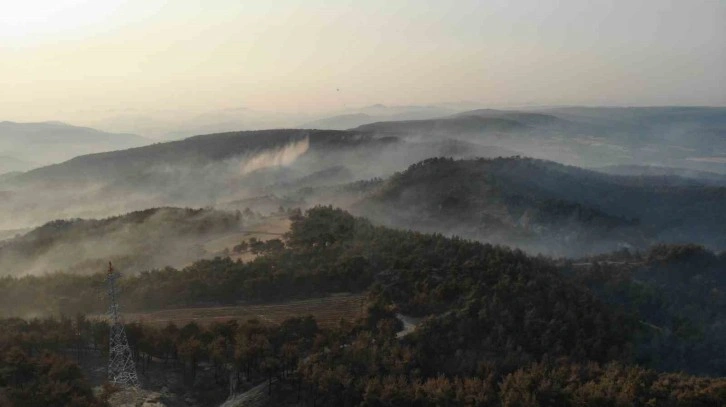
x: 193, y: 151
x: 196, y: 172
x: 212, y: 170
x: 678, y: 291
x: 499, y: 328
x: 135, y: 241
x: 686, y: 175
x: 547, y: 207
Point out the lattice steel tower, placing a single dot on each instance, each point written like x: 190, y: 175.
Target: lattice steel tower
x: 121, y: 367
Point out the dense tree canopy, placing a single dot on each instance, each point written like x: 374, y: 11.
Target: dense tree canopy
x: 499, y: 328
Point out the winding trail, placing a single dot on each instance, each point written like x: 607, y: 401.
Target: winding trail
x: 254, y: 397
x: 409, y: 325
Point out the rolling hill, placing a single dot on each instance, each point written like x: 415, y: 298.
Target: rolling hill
x: 547, y: 207
x: 460, y: 125
x: 686, y: 175
x: 135, y: 241
x: 195, y: 172
x: 512, y: 201
x: 497, y: 327
x: 378, y: 113
x: 51, y: 142
x: 193, y: 151
x: 340, y: 122
x: 685, y: 137
x: 212, y: 170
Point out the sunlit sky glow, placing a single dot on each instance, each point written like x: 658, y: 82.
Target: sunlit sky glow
x: 76, y: 59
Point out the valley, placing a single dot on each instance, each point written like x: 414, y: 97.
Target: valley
x: 362, y: 203
x: 325, y: 266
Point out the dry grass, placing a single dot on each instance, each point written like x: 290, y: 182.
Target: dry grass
x: 326, y: 310
x: 272, y: 227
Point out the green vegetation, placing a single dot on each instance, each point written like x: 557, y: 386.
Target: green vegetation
x: 679, y: 295
x: 545, y: 207
x: 32, y: 371
x: 357, y: 362
x: 500, y: 328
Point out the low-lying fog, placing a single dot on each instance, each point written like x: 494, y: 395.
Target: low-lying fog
x: 349, y: 169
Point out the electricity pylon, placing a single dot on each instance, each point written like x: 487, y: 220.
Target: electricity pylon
x: 121, y: 367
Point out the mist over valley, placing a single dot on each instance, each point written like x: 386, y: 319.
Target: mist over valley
x: 428, y: 232
x: 362, y: 204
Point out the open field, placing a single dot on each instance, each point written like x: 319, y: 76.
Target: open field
x: 326, y: 310
x: 272, y: 227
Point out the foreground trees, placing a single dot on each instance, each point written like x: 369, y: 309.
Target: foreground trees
x: 498, y: 327
x: 44, y: 380
x: 357, y: 363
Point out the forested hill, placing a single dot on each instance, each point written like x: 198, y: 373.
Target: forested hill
x: 548, y: 207
x: 679, y: 291
x: 190, y: 152
x: 500, y: 326
x: 135, y: 241
x: 328, y: 250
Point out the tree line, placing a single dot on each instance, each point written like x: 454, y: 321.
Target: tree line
x: 499, y: 327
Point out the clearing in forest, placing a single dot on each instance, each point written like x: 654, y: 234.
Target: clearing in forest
x: 326, y: 310
x: 272, y: 227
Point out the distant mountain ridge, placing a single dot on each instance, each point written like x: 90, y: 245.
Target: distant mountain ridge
x: 197, y: 150
x: 339, y: 122
x: 378, y: 113
x: 10, y: 164
x: 704, y: 177
x: 215, y: 169
x: 59, y: 132
x: 44, y: 143
x: 472, y: 121
x: 686, y: 137
x: 468, y: 124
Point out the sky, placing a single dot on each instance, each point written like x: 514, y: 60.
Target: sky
x: 87, y: 60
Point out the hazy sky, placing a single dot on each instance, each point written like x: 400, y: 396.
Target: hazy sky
x: 78, y: 59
